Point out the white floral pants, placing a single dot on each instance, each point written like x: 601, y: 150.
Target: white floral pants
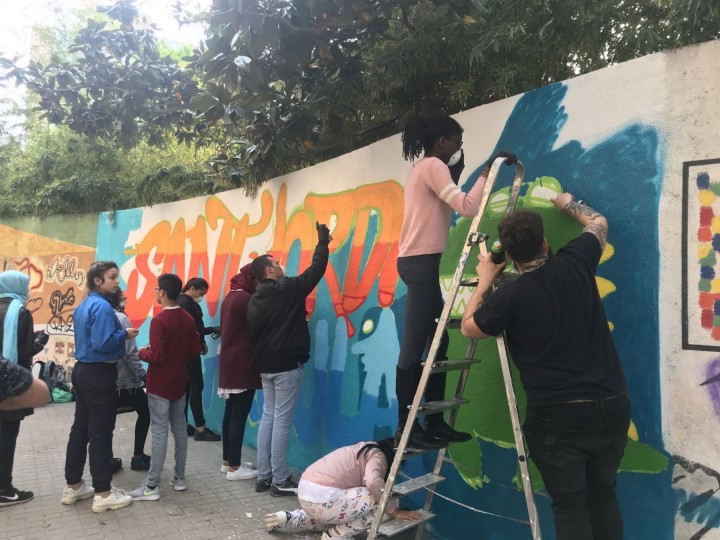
x: 349, y: 514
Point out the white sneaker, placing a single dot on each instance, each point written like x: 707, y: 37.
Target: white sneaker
x: 116, y: 500
x: 145, y: 493
x: 180, y: 484
x: 71, y: 496
x: 225, y: 467
x: 276, y: 521
x: 241, y: 473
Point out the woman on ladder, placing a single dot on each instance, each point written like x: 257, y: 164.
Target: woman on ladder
x: 431, y: 196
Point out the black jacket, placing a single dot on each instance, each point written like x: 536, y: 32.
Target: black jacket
x: 25, y: 351
x: 194, y: 309
x: 278, y: 319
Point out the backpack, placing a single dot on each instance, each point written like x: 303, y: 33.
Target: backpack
x: 51, y: 374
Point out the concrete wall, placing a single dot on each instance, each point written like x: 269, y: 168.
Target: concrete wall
x: 637, y: 141
x: 55, y: 252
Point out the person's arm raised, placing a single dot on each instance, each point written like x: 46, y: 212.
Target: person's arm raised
x: 591, y: 220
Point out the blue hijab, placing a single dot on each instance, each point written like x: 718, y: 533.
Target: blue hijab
x: 15, y: 285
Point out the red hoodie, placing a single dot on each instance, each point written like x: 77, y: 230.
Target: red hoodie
x: 237, y: 359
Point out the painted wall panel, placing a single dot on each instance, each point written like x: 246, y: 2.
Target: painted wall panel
x: 638, y: 141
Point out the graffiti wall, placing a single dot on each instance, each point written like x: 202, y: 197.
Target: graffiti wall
x: 638, y: 141
x: 56, y: 267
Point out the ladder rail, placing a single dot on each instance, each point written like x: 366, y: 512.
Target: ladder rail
x: 519, y: 441
x: 474, y: 238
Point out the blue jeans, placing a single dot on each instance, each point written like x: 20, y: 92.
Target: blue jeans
x: 577, y: 447
x: 280, y: 395
x: 162, y: 413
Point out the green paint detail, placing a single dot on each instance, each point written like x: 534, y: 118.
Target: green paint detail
x: 715, y: 188
x: 704, y: 285
x: 487, y: 415
x: 709, y: 260
x: 78, y: 229
x: 643, y: 458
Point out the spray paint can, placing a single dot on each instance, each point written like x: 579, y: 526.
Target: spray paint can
x: 497, y: 253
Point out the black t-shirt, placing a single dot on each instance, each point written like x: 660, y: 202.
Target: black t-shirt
x: 556, y: 329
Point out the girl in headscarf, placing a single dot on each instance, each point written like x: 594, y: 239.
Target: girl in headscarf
x: 16, y: 335
x: 239, y: 376
x: 339, y: 493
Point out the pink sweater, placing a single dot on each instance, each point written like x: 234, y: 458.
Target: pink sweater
x: 341, y: 469
x: 430, y: 198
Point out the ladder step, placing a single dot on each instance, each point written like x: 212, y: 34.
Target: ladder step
x: 453, y: 365
x: 502, y: 278
x: 452, y: 322
x: 432, y: 407
x: 411, y: 451
x: 397, y: 526
x: 416, y: 484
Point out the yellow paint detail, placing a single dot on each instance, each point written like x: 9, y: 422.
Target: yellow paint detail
x: 611, y: 325
x: 607, y: 253
x: 715, y: 285
x: 605, y: 286
x: 703, y: 249
x: 632, y: 432
x: 715, y: 226
x: 707, y: 197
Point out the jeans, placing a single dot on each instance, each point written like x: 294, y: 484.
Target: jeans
x: 577, y: 447
x: 164, y: 412
x: 280, y: 395
x: 8, y: 440
x: 137, y: 399
x: 92, y: 429
x: 193, y: 394
x: 237, y: 408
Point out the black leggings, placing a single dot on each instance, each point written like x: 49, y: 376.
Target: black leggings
x: 137, y: 399
x: 423, y: 304
x: 194, y: 391
x: 8, y: 439
x: 237, y: 408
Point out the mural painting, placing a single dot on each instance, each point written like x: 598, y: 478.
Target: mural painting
x: 57, y: 272
x: 588, y: 136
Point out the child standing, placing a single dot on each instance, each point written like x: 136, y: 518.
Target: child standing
x: 173, y: 339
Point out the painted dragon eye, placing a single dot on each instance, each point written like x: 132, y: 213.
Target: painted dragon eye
x: 368, y: 326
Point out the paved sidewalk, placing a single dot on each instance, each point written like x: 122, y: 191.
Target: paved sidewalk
x: 212, y: 507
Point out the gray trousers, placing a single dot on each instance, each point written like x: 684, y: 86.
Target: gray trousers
x: 164, y: 413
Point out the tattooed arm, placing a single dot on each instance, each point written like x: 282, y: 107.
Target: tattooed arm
x: 591, y: 220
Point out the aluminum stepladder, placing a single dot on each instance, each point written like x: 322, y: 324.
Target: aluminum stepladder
x: 394, y: 527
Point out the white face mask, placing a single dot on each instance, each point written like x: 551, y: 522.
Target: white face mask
x: 197, y: 299
x: 455, y: 158
x: 123, y: 303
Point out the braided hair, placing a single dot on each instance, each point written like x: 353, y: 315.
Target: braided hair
x: 422, y: 132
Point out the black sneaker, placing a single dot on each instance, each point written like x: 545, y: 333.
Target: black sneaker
x: 262, y: 485
x: 190, y: 430
x: 441, y: 430
x: 419, y: 440
x: 116, y: 464
x: 286, y: 488
x: 206, y: 435
x: 11, y: 496
x: 140, y: 463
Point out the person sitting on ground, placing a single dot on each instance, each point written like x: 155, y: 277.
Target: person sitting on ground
x: 173, y: 339
x: 130, y: 383
x: 192, y: 294
x: 340, y: 492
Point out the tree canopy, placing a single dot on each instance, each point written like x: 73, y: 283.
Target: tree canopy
x: 280, y: 84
